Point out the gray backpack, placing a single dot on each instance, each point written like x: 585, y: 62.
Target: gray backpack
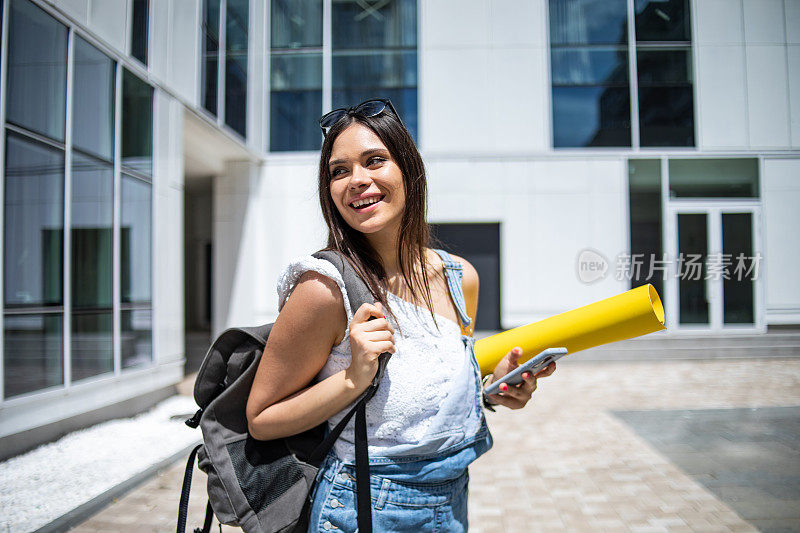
x: 265, y: 486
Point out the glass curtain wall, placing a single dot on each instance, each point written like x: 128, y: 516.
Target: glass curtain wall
x: 225, y: 34
x: 591, y: 56
x: 140, y: 25
x: 54, y: 337
x: 295, y: 74
x: 373, y: 51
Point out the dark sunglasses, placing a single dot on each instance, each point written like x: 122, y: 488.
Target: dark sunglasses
x: 367, y: 108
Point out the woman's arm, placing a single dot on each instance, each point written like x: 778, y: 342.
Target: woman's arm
x: 311, y: 322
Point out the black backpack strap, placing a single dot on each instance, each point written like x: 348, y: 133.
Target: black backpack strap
x: 363, y: 491
x: 207, y: 522
x: 183, y: 506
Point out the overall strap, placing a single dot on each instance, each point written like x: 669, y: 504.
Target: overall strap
x: 454, y: 271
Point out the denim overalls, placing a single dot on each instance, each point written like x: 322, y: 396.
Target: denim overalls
x: 425, y: 491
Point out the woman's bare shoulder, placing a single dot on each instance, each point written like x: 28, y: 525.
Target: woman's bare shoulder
x: 316, y: 301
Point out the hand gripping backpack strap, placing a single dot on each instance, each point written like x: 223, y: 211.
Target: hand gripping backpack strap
x: 357, y: 295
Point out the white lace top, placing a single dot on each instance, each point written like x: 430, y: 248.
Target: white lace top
x: 428, y: 365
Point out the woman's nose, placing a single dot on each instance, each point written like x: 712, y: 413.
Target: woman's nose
x: 359, y: 177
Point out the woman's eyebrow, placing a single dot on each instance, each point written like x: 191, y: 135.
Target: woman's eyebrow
x: 365, y: 153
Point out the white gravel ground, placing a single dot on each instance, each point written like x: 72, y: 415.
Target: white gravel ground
x: 53, y: 479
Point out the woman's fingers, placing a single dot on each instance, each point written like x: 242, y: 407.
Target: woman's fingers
x: 367, y: 311
x: 547, y: 371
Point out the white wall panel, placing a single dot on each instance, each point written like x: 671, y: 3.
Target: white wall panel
x: 767, y: 98
x: 794, y: 93
x: 183, y: 76
x: 77, y: 9
x: 455, y: 23
x: 168, y: 271
x: 781, y: 196
x: 792, y: 11
x: 518, y: 24
x: 718, y: 22
x: 455, y: 97
x: 109, y: 19
x: 518, y: 104
x: 722, y: 99
x: 160, y: 42
x: 763, y: 22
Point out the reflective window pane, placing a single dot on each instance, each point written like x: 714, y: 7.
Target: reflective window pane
x: 92, y: 212
x: 236, y: 20
x: 591, y: 116
x: 588, y: 22
x: 37, y: 70
x: 137, y: 337
x: 666, y: 116
x: 139, y: 28
x: 295, y: 102
x: 296, y: 23
x: 644, y: 188
x: 210, y: 64
x: 713, y: 178
x: 136, y: 240
x: 693, y: 248
x: 359, y: 24
x: 92, y: 345
x: 666, y: 66
x: 34, y: 224
x: 738, y: 280
x: 137, y: 124
x: 393, y: 75
x: 589, y: 66
x: 662, y: 20
x: 93, y: 100
x: 33, y: 352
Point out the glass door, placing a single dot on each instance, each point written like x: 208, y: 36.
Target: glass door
x: 714, y: 280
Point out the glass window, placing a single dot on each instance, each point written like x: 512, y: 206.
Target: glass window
x: 591, y: 116
x: 136, y: 271
x: 296, y: 24
x: 644, y: 188
x: 34, y: 224
x: 295, y: 101
x: 662, y: 20
x: 590, y: 88
x: 137, y: 337
x: 33, y: 352
x: 375, y: 55
x: 588, y: 22
x: 92, y: 267
x: 139, y: 29
x: 295, y: 75
x: 33, y: 266
x: 666, y: 98
x: 137, y: 124
x: 136, y: 237
x: 713, y: 178
x: 93, y: 101
x: 210, y: 66
x: 37, y: 70
x: 236, y: 22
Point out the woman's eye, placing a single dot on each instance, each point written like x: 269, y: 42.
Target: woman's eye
x: 337, y: 172
x: 375, y: 161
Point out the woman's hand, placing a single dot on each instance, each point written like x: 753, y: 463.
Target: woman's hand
x: 370, y: 335
x: 516, y: 396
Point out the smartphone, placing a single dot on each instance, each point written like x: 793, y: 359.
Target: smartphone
x: 532, y: 365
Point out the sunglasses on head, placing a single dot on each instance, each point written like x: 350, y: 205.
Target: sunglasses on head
x: 366, y: 109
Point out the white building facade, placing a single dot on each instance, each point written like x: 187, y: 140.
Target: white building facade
x: 177, y: 141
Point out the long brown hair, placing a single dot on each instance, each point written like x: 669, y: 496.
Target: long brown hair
x: 414, y: 232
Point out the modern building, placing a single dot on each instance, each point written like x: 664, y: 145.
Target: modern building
x: 159, y: 161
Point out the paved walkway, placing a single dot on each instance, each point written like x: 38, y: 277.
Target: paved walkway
x: 567, y: 462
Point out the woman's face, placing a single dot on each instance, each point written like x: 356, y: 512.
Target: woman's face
x: 366, y: 182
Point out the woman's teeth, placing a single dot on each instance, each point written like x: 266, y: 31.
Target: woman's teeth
x: 366, y: 202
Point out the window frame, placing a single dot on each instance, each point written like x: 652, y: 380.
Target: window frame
x: 633, y: 84
x: 327, y: 75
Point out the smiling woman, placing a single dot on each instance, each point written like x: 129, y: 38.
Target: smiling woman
x: 425, y: 424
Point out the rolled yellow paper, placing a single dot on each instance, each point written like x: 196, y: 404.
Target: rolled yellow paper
x: 630, y: 314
